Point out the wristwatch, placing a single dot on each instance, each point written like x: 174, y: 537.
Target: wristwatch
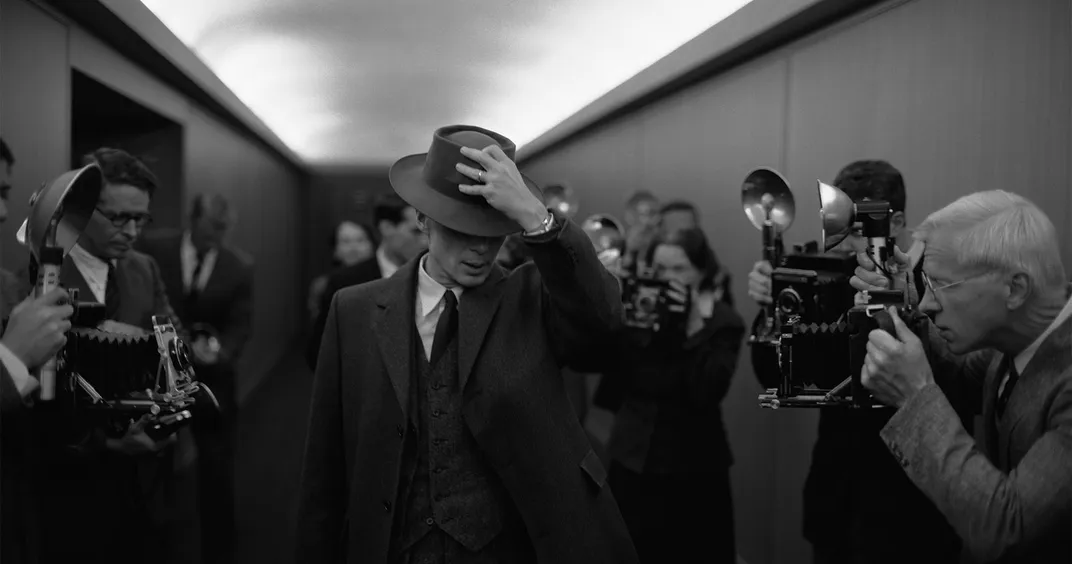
x: 547, y: 225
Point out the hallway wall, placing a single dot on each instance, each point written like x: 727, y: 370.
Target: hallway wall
x: 959, y: 95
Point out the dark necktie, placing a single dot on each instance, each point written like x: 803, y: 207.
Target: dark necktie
x: 192, y: 291
x: 1006, y: 393
x: 446, y: 327
x: 111, y: 294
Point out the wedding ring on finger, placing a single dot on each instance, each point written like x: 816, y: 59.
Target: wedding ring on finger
x: 480, y: 176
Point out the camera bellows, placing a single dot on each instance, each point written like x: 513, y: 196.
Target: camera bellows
x: 115, y: 364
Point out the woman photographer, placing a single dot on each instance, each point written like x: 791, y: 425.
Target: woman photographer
x: 670, y: 457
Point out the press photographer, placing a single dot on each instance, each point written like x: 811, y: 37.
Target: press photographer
x: 858, y: 506
x: 105, y: 498
x: 996, y: 291
x: 675, y: 359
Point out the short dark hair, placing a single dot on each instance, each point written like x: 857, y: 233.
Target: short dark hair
x: 203, y: 202
x: 702, y: 256
x: 120, y: 167
x: 873, y: 180
x: 680, y: 205
x: 5, y: 153
x: 640, y: 196
x: 390, y: 208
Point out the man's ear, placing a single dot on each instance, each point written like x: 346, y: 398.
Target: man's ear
x: 422, y: 222
x: 1019, y: 290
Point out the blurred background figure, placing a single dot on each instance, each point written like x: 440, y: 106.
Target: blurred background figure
x: 678, y: 215
x: 211, y: 284
x: 401, y: 240
x: 669, y: 450
x: 351, y: 244
x: 641, y: 227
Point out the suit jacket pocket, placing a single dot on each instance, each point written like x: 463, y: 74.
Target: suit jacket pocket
x: 593, y: 467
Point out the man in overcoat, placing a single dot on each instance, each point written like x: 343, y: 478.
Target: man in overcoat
x: 440, y: 428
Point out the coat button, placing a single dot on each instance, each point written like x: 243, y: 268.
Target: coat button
x: 387, y: 506
x: 400, y: 430
x: 429, y: 521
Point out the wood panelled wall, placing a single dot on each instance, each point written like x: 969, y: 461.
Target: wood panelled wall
x: 960, y: 95
x: 38, y: 51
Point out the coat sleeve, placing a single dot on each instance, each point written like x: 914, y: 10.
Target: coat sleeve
x: 323, y: 490
x: 998, y: 515
x: 582, y: 300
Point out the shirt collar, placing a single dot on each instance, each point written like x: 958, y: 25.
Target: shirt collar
x: 1024, y: 358
x: 430, y: 292
x: 387, y: 268
x: 80, y: 254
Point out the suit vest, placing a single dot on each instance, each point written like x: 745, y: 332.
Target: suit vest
x: 451, y: 488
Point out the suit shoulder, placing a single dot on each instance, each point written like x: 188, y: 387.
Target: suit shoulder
x: 142, y: 260
x: 242, y: 257
x: 359, y: 273
x: 361, y: 293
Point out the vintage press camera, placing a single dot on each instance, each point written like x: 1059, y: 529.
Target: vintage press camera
x: 644, y: 297
x: 102, y: 378
x: 818, y: 334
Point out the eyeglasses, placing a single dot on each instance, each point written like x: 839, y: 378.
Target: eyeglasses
x: 120, y: 220
x: 935, y: 289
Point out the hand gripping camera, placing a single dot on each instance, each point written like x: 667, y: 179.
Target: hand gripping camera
x: 813, y: 327
x: 103, y: 378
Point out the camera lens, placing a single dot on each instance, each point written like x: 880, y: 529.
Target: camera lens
x: 646, y: 303
x: 789, y: 301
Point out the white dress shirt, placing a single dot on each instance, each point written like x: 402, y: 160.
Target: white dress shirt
x: 93, y: 269
x: 24, y: 383
x: 189, y: 264
x: 430, y: 305
x: 387, y: 268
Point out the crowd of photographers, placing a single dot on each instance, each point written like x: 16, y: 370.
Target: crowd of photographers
x: 988, y: 303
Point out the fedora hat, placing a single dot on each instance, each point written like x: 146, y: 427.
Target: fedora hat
x: 429, y: 182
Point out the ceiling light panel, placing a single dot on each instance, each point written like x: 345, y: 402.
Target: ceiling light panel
x: 364, y: 82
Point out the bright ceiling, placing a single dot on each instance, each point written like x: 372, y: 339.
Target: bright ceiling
x: 363, y: 82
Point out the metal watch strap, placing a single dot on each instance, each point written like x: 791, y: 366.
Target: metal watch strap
x: 547, y: 225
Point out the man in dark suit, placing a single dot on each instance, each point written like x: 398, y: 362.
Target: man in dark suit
x: 997, y: 293
x: 35, y: 332
x: 858, y: 505
x: 102, y: 503
x: 440, y: 428
x: 401, y: 240
x: 211, y: 285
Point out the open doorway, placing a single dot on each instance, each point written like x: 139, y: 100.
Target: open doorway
x: 102, y: 117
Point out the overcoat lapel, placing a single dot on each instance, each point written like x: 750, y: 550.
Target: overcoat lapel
x: 394, y: 327
x: 476, y: 309
x: 395, y: 321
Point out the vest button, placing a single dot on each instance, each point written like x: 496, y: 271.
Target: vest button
x: 429, y: 521
x: 436, y: 413
x: 387, y: 506
x: 436, y: 386
x: 439, y: 469
x: 400, y: 430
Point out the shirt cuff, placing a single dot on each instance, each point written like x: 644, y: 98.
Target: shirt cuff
x: 24, y: 383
